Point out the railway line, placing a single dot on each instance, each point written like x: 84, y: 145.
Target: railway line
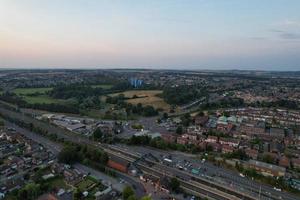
x: 199, y: 185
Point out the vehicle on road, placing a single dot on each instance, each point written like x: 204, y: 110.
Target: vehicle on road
x: 277, y: 189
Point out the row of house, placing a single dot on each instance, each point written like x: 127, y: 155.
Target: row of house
x: 19, y: 155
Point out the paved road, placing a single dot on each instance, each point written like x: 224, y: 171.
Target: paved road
x: 133, y: 182
x: 241, y: 183
x: 53, y: 147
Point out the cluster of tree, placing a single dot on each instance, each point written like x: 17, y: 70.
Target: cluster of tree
x: 118, y: 99
x: 146, y: 111
x: 129, y: 194
x: 115, y: 115
x: 122, y: 86
x: 238, y: 102
x: 282, y: 103
x: 83, y: 96
x: 179, y: 129
x: 239, y: 154
x: 224, y: 103
x: 139, y: 140
x: 29, y: 126
x: 138, y: 109
x: 137, y: 126
x: 73, y: 153
x: 183, y: 94
x: 31, y: 191
x: 99, y: 136
x: 75, y: 91
x: 268, y: 159
x: 186, y: 119
x: 159, y: 143
x: 217, y: 133
x: 89, y: 102
x: 1, y: 122
x: 52, y: 107
x: 175, y: 185
x: 12, y: 98
x: 36, y: 186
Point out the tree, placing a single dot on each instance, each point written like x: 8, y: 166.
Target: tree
x: 186, y: 119
x: 165, y: 115
x: 201, y: 114
x: 77, y: 194
x: 30, y: 192
x: 127, y: 192
x: 179, y: 130
x: 149, y: 111
x: 68, y: 155
x: 132, y: 197
x: 97, y: 134
x: 268, y: 159
x: 146, y: 198
x: 209, y: 148
x: 175, y: 185
x: 1, y: 123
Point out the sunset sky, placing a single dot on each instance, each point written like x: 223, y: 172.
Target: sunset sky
x: 173, y: 34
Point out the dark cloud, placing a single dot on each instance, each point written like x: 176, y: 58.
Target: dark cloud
x: 287, y: 35
x: 290, y: 36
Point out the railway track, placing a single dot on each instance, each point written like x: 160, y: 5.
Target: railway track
x: 133, y: 157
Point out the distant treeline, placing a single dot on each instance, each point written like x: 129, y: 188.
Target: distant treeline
x: 74, y: 91
x: 52, y: 107
x: 227, y: 102
x: 282, y: 103
x: 183, y: 94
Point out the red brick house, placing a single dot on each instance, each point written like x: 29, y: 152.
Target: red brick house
x: 227, y: 149
x: 182, y: 140
x: 168, y: 137
x: 252, y: 153
x: 212, y: 139
x: 229, y: 141
x: 284, y: 162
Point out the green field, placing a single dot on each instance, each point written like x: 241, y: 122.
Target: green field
x: 26, y: 94
x: 146, y: 97
x: 85, y: 184
x: 28, y: 91
x: 98, y: 114
x: 58, y: 182
x: 103, y: 86
x: 43, y: 99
